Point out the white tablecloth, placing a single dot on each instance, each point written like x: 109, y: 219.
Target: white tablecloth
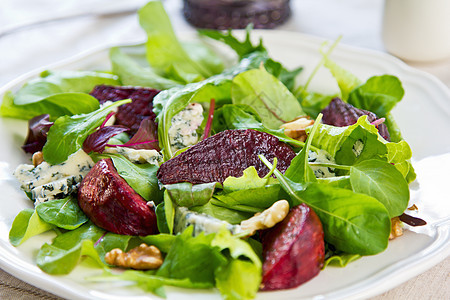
x: 359, y: 22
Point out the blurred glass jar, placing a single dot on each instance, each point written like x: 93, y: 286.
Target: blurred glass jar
x: 235, y: 14
x: 417, y: 30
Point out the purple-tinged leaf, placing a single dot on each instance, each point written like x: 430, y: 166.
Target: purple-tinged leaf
x: 37, y: 133
x: 146, y: 137
x: 340, y: 114
x: 96, y: 141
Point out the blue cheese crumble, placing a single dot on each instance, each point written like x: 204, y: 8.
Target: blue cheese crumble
x: 47, y: 182
x: 201, y: 222
x: 357, y: 148
x: 137, y: 156
x: 322, y: 157
x: 183, y: 130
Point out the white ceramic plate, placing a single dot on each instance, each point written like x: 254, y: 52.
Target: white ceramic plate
x: 423, y: 115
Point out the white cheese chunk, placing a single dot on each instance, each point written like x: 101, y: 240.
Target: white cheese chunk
x: 183, y: 130
x: 201, y: 222
x: 45, y: 181
x: 56, y: 189
x: 137, y: 156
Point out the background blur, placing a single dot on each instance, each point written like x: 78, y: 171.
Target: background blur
x: 358, y: 21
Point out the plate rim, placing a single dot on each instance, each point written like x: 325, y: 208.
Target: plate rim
x: 60, y: 288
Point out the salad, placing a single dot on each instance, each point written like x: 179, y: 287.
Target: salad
x: 309, y: 194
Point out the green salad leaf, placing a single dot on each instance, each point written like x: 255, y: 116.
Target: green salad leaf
x: 382, y: 181
x: 63, y: 213
x: 165, y: 52
x: 170, y: 102
x: 141, y: 177
x: 53, y: 83
x: 270, y: 98
x: 54, y: 105
x: 188, y: 194
x: 26, y: 225
x: 68, y: 133
x: 379, y: 94
x: 66, y: 250
x: 130, y: 72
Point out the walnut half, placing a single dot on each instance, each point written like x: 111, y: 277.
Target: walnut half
x: 267, y: 218
x: 396, y: 228
x: 296, y: 128
x: 143, y: 257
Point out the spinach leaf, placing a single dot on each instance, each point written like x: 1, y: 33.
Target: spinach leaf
x: 141, y: 177
x: 382, y: 181
x: 353, y: 223
x: 64, y: 213
x: 164, y: 51
x: 131, y: 73
x: 379, y: 94
x: 63, y: 255
x: 56, y: 83
x: 170, y: 102
x: 188, y: 194
x: 27, y: 224
x: 68, y: 133
x: 54, y: 105
x: 9, y: 110
x: 185, y: 250
x: 273, y: 102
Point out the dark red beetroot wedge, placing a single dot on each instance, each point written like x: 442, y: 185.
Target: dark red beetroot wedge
x: 131, y: 114
x: 340, y: 114
x: 225, y: 154
x: 108, y: 200
x: 293, y: 250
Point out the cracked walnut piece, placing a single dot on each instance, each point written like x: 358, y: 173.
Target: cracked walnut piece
x: 396, y: 228
x: 267, y: 218
x: 143, y: 257
x: 296, y: 128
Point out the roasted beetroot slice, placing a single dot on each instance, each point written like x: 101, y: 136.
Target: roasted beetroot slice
x: 225, y: 154
x: 108, y: 200
x: 131, y: 114
x: 340, y: 114
x: 293, y: 250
